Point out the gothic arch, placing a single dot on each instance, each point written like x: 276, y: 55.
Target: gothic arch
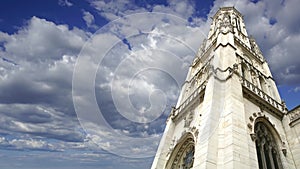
x: 261, y: 117
x: 182, y: 156
x: 268, y: 142
x: 267, y: 149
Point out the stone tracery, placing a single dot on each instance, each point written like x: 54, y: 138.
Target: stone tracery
x: 183, y: 156
x: 266, y: 147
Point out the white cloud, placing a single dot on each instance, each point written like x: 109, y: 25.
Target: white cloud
x: 36, y: 92
x: 297, y: 89
x: 39, y: 121
x: 89, y: 19
x: 42, y: 40
x: 3, y: 141
x: 112, y: 10
x: 152, y: 62
x: 182, y: 8
x: 65, y: 3
x: 30, y: 144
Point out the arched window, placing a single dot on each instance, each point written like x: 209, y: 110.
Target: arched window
x: 182, y: 156
x: 266, y: 148
x: 188, y: 158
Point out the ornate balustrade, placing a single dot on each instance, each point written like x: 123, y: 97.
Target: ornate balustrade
x: 189, y: 99
x: 258, y: 92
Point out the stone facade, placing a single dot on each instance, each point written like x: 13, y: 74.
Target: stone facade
x: 229, y: 113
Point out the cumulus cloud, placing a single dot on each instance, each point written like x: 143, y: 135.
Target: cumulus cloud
x: 46, y: 54
x: 138, y: 71
x: 36, y: 97
x: 36, y: 93
x: 41, y: 40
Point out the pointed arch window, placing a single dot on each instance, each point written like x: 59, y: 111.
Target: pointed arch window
x: 182, y: 156
x: 267, y: 150
x: 188, y: 158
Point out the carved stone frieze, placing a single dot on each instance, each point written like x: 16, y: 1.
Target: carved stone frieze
x: 224, y: 23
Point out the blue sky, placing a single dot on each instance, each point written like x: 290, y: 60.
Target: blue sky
x: 64, y: 63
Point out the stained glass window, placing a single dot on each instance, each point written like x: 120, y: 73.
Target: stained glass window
x: 189, y: 158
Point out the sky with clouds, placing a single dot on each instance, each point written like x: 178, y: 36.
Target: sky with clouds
x: 89, y: 84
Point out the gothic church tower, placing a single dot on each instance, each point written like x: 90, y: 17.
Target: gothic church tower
x: 229, y: 113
